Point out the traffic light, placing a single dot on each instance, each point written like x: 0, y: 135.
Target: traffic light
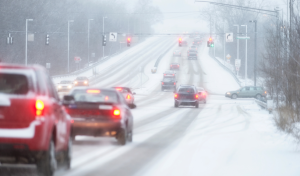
x: 179, y: 41
x: 103, y: 40
x: 128, y: 41
x: 210, y: 42
x: 47, y: 39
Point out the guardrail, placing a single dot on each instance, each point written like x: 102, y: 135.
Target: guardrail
x: 268, y: 105
x: 229, y: 71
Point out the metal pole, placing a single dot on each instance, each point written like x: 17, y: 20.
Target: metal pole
x: 26, y: 39
x: 255, y: 52
x: 237, y: 46
x: 69, y: 44
x: 224, y: 44
x: 103, y: 36
x: 89, y: 40
x: 246, y: 62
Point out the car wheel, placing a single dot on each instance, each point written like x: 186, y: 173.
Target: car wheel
x: 176, y: 105
x: 47, y: 164
x: 129, y: 136
x: 196, y: 105
x: 68, y: 154
x: 122, y: 137
x: 234, y: 96
x: 258, y: 96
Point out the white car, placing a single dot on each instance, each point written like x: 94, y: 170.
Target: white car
x: 64, y: 86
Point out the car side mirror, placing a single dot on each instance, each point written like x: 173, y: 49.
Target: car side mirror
x: 68, y: 99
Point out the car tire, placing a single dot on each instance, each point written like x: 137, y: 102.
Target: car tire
x: 122, y: 137
x: 234, y: 96
x: 47, y: 164
x: 258, y: 96
x: 68, y: 154
x: 129, y: 136
x: 176, y: 105
x: 197, y: 105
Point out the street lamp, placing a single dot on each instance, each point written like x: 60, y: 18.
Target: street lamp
x: 255, y: 49
x: 26, y: 38
x: 237, y: 42
x: 89, y: 40
x: 69, y: 21
x: 103, y: 36
x: 246, y: 62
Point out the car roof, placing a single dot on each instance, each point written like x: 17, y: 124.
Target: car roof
x: 18, y: 66
x: 175, y: 63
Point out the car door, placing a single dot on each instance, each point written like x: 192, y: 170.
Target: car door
x: 243, y: 92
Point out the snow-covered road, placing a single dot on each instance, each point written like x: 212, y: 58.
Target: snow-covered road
x: 223, y: 137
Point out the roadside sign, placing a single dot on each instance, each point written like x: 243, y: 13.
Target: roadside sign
x: 228, y: 56
x: 237, y: 68
x: 113, y: 36
x: 77, y: 59
x: 48, y: 65
x: 30, y: 37
x: 243, y: 38
x: 229, y: 37
x: 238, y: 63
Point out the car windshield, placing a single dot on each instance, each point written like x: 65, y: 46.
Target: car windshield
x: 66, y: 82
x: 81, y: 78
x: 13, y: 84
x: 95, y: 96
x: 186, y: 90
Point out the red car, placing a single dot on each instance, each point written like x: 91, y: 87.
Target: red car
x: 34, y: 127
x: 128, y: 95
x: 174, y: 66
x: 202, y: 94
x: 99, y: 112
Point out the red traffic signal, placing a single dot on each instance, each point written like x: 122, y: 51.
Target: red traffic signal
x: 210, y: 39
x: 128, y: 39
x: 180, y: 39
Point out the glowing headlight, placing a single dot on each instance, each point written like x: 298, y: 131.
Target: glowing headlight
x: 70, y: 86
x: 75, y: 82
x: 228, y: 93
x: 85, y: 82
x: 59, y: 87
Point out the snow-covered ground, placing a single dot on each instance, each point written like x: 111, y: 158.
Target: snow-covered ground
x: 224, y: 137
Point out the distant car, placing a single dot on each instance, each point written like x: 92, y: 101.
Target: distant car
x: 193, y: 56
x: 247, y: 92
x: 194, y: 47
x: 192, y: 51
x: 81, y: 81
x: 202, y: 94
x: 184, y: 43
x: 176, y: 53
x: 169, y: 73
x: 64, y: 86
x: 99, y: 112
x: 186, y: 95
x: 168, y: 83
x: 174, y: 66
x: 128, y: 95
x: 197, y: 41
x: 34, y: 127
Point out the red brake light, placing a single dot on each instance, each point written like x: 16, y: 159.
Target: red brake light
x: 196, y: 96
x: 106, y: 98
x: 162, y: 83
x: 175, y: 96
x: 117, y: 112
x: 128, y: 39
x: 172, y: 74
x: 39, y: 107
x: 119, y: 89
x: 93, y: 91
x: 164, y: 74
x: 174, y: 83
x: 128, y: 97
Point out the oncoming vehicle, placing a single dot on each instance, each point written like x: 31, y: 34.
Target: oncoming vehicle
x: 128, y: 95
x: 168, y: 83
x: 34, y: 127
x: 81, y: 81
x: 202, y: 94
x: 169, y: 73
x: 64, y: 86
x: 99, y: 112
x: 247, y: 92
x: 186, y: 95
x: 174, y: 66
x: 176, y: 53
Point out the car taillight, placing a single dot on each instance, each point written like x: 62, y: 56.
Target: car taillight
x: 203, y: 93
x: 174, y: 83
x: 172, y: 74
x: 162, y: 83
x: 39, y: 107
x: 265, y: 92
x: 196, y: 96
x: 175, y: 95
x: 117, y: 113
x: 128, y: 97
x: 92, y: 91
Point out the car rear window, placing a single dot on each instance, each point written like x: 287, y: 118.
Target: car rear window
x: 95, y: 96
x: 66, y: 82
x: 186, y: 90
x: 13, y: 84
x: 168, y: 79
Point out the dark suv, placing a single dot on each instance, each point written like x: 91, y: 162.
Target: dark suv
x: 168, y: 83
x: 34, y: 127
x: 186, y: 95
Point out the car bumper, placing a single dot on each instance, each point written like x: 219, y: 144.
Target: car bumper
x: 96, y: 128
x: 187, y: 102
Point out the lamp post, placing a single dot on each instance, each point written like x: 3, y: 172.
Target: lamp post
x: 237, y: 43
x: 89, y: 40
x: 26, y: 38
x: 103, y: 36
x: 69, y: 21
x: 246, y: 62
x: 255, y: 49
